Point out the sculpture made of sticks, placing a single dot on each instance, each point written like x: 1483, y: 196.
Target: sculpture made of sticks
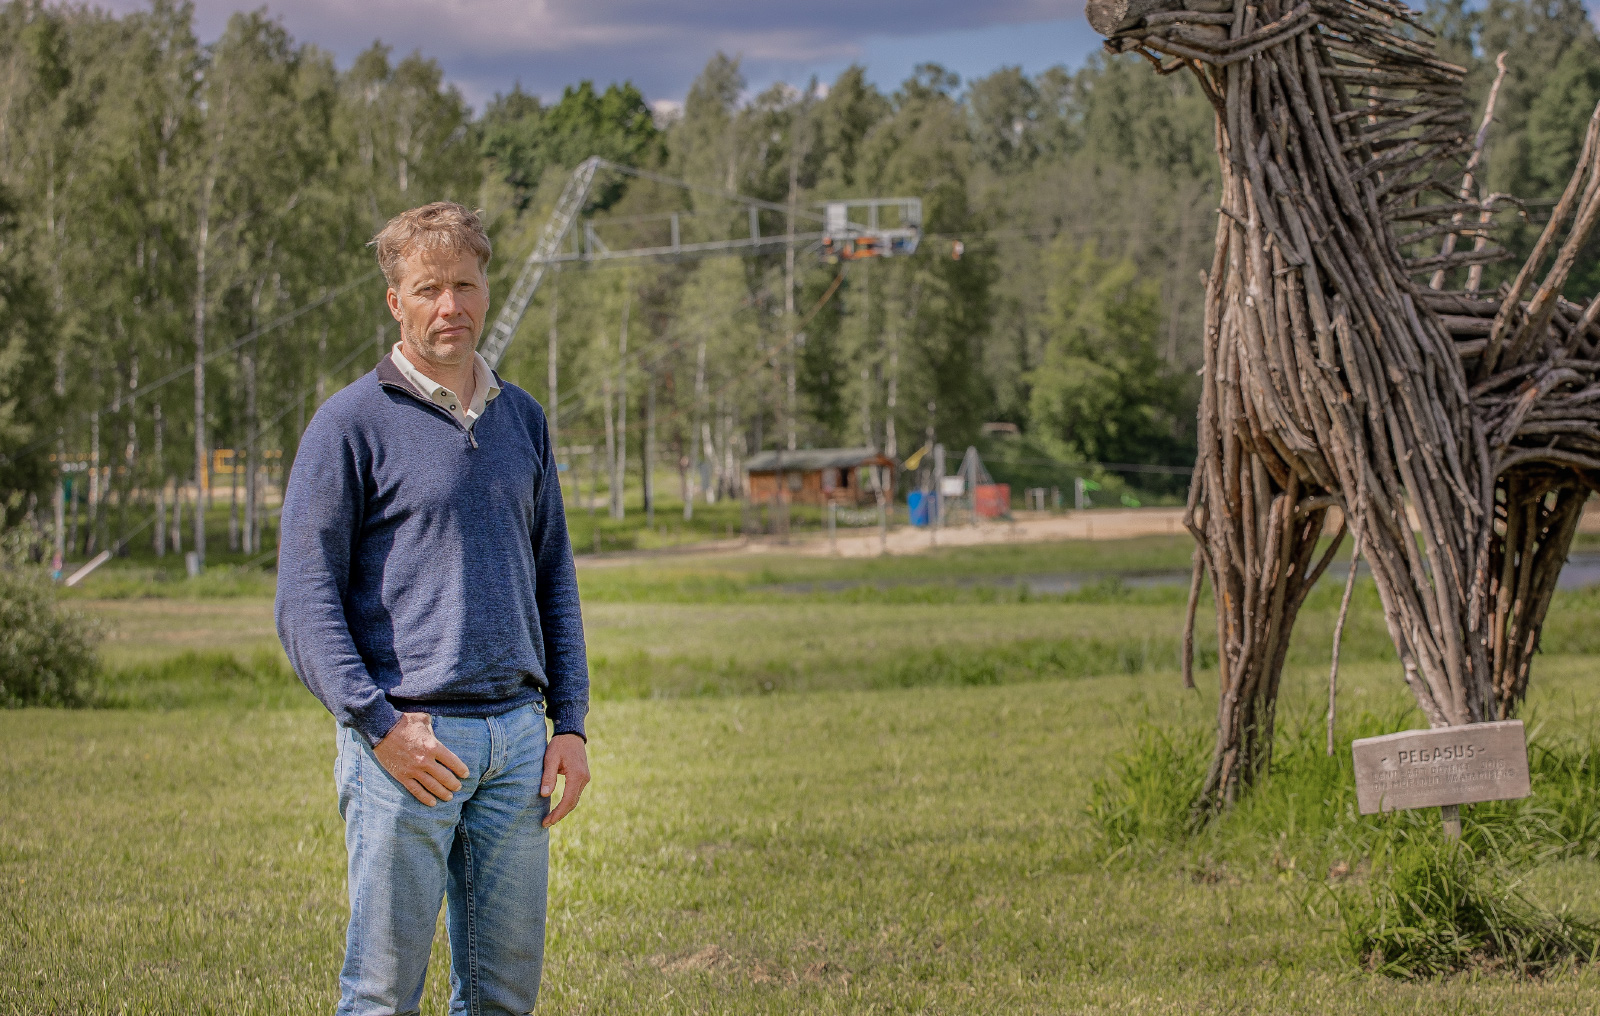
x: 1333, y: 377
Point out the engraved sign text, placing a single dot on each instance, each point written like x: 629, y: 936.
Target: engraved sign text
x: 1448, y: 765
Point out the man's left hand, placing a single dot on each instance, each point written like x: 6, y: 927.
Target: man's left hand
x: 566, y: 756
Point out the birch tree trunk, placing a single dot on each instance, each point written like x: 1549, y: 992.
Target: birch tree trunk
x: 607, y: 399
x: 252, y: 461
x: 252, y: 423
x: 201, y: 248
x: 92, y: 537
x: 700, y: 439
x: 160, y: 477
x: 620, y: 469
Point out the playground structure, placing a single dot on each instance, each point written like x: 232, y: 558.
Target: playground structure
x: 1340, y: 371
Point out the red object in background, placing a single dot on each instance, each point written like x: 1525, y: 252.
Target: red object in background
x: 992, y: 500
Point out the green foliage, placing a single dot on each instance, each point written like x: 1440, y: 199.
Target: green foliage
x: 47, y: 653
x: 1102, y: 391
x: 1568, y: 812
x: 133, y: 156
x: 1002, y: 107
x: 1135, y: 121
x: 525, y: 138
x: 1551, y: 87
x: 258, y: 159
x: 843, y: 119
x: 24, y: 364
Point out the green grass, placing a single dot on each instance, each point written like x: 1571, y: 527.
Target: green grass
x: 810, y: 642
x: 134, y: 581
x: 777, y: 577
x: 803, y: 803
x: 917, y: 850
x: 725, y: 625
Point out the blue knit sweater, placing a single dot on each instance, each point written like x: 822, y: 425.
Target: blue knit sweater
x: 425, y: 567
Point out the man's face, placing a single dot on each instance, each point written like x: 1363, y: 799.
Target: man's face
x: 440, y: 302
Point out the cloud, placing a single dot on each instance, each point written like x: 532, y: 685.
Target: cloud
x: 660, y: 45
x: 761, y: 30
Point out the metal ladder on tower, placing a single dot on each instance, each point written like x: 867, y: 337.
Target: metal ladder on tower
x: 555, y: 232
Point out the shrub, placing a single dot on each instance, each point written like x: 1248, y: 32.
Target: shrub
x: 47, y: 653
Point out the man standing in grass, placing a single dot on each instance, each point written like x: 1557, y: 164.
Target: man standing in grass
x: 426, y: 594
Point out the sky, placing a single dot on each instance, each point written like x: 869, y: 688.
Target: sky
x: 486, y: 46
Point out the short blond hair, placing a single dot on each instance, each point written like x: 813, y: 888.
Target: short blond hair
x: 440, y: 226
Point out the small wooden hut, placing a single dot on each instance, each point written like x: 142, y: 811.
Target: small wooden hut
x: 818, y: 476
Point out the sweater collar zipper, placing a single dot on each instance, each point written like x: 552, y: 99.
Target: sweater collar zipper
x: 406, y: 389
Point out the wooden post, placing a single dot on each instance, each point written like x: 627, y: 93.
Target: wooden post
x: 1451, y: 814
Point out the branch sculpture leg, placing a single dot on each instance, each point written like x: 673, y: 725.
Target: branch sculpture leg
x: 1539, y: 513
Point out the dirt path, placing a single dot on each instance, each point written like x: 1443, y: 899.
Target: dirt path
x: 1026, y: 527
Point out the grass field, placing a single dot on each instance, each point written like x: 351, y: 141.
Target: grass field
x: 899, y: 826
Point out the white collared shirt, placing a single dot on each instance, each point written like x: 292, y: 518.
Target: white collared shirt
x: 484, y: 390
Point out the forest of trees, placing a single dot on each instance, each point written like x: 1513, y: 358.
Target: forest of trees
x: 183, y: 264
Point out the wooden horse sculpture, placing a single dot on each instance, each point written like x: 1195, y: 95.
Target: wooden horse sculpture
x: 1335, y: 377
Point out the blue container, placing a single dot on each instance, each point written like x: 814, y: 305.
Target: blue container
x: 917, y: 505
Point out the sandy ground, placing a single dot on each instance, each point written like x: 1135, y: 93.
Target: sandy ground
x: 1026, y: 527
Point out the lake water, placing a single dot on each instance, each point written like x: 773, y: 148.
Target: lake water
x: 1581, y: 571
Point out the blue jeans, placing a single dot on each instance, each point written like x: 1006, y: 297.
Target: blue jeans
x: 485, y: 852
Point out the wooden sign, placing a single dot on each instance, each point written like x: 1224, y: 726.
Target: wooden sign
x: 1441, y: 768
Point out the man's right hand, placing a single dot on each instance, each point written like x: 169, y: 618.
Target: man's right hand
x: 416, y: 758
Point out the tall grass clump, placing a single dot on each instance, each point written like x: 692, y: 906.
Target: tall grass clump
x: 1147, y: 797
x: 47, y: 653
x: 1437, y: 907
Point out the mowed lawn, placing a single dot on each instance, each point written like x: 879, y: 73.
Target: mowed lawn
x: 919, y: 849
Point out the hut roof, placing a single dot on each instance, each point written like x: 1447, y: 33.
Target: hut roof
x: 804, y: 460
